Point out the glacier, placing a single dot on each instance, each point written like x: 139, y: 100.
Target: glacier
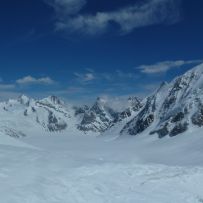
x: 77, y: 169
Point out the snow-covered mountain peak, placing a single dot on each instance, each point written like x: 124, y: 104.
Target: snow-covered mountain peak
x: 23, y: 99
x: 134, y: 103
x: 52, y: 100
x: 100, y: 101
x: 55, y: 100
x: 18, y: 117
x: 173, y: 108
x: 98, y: 118
x: 197, y: 69
x: 162, y: 86
x: 133, y: 99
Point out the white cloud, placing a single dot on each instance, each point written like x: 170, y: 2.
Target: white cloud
x: 117, y: 75
x: 165, y: 66
x: 91, y: 75
x: 118, y: 103
x: 128, y: 18
x: 29, y: 80
x: 64, y: 8
x: 86, y: 77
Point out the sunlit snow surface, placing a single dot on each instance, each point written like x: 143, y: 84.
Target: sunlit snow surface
x: 73, y: 169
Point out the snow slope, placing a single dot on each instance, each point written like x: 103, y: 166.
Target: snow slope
x: 76, y: 169
x: 26, y: 116
x: 173, y: 109
x: 8, y: 141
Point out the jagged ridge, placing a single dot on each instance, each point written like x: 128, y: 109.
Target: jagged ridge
x: 173, y: 108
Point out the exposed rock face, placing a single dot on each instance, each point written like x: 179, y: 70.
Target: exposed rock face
x: 141, y: 125
x: 55, y: 100
x: 178, y: 129
x: 146, y: 116
x: 178, y: 117
x: 197, y: 118
x: 55, y: 124
x: 162, y: 132
x: 134, y: 105
x: 98, y: 118
x: 81, y: 110
x: 173, y: 108
x: 101, y: 116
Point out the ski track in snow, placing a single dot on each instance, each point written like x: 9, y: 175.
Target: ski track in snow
x: 81, y: 170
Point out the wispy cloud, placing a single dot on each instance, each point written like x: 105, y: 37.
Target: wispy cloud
x: 163, y: 67
x: 118, y: 75
x: 85, y: 77
x: 89, y: 75
x: 29, y: 80
x: 150, y: 12
x: 7, y: 87
x: 65, y: 8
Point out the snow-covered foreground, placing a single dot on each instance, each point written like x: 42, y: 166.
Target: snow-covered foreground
x: 65, y: 169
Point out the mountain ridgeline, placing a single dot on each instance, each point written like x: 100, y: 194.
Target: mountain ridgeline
x: 172, y: 109
x: 19, y: 117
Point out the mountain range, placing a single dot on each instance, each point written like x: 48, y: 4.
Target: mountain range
x: 173, y: 109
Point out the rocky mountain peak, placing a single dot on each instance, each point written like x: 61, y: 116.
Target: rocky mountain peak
x: 98, y: 118
x: 55, y: 100
x: 173, y: 108
x: 23, y: 99
x: 52, y: 100
x: 135, y: 103
x: 100, y: 101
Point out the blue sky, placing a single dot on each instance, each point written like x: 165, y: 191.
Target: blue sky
x: 81, y: 49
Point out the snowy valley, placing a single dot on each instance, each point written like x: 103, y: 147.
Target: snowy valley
x: 150, y: 151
